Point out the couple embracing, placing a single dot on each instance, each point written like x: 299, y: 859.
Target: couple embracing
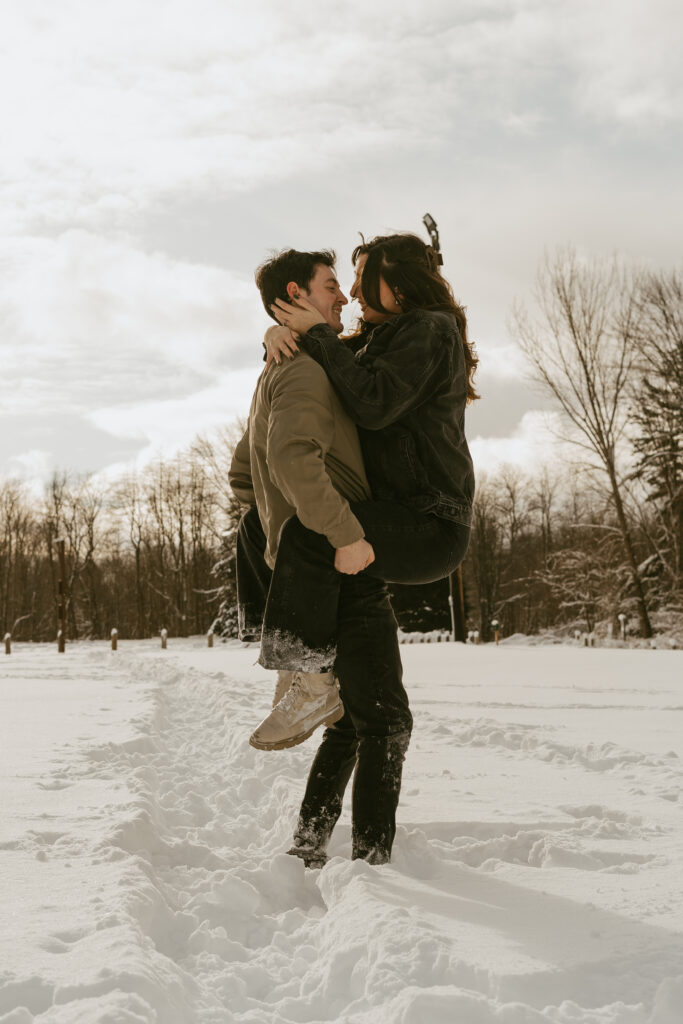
x: 356, y: 473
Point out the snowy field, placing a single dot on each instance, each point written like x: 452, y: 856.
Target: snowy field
x: 537, y: 873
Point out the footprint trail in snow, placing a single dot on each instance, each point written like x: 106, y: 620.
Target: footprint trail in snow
x: 534, y: 876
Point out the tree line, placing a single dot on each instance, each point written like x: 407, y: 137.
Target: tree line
x: 140, y: 552
x: 606, y: 343
x: 595, y: 533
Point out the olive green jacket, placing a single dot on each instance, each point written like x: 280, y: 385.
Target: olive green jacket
x: 300, y: 456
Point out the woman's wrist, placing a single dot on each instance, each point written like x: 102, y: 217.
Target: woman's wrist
x: 321, y: 333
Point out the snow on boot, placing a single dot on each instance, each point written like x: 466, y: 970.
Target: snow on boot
x: 312, y: 700
x: 284, y: 681
x: 310, y: 855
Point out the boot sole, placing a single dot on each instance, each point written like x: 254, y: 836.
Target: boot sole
x: 294, y: 741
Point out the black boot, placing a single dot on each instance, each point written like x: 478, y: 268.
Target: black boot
x: 376, y: 790
x: 324, y: 796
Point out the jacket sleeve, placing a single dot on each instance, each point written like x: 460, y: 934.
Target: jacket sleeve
x: 375, y: 394
x: 300, y: 433
x: 239, y: 474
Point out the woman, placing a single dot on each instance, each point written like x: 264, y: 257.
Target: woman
x: 405, y: 380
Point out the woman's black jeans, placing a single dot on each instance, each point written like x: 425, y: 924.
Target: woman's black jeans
x: 300, y: 620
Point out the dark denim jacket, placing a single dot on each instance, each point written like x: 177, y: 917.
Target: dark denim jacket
x: 405, y: 386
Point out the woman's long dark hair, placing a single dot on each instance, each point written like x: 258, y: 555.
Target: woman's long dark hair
x: 411, y: 269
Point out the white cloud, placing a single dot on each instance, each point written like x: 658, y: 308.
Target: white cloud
x: 122, y: 119
x: 105, y: 107
x: 31, y: 465
x: 166, y: 426
x: 89, y: 321
x: 533, y: 444
x: 501, y: 362
x: 526, y: 123
x: 118, y: 103
x: 628, y: 60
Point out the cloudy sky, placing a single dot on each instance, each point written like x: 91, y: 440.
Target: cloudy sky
x: 153, y: 152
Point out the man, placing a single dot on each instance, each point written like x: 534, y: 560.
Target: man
x: 300, y: 456
x: 300, y: 463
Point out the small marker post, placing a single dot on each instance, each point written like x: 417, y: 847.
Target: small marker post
x: 209, y: 638
x: 8, y: 643
x: 495, y: 626
x: 164, y: 639
x: 114, y: 639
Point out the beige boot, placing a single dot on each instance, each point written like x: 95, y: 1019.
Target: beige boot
x: 312, y: 700
x: 284, y: 681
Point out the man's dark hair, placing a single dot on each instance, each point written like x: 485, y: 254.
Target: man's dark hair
x: 273, y: 276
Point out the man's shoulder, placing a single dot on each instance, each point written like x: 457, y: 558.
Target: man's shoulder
x: 300, y: 372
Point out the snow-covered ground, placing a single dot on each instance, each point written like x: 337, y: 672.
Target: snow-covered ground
x: 537, y: 873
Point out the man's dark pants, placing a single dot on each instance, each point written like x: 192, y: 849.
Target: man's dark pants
x: 374, y: 733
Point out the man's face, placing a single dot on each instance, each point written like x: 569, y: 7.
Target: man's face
x: 325, y: 294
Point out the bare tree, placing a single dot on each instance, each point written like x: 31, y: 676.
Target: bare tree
x: 134, y: 515
x: 485, y: 555
x: 512, y: 502
x: 72, y: 509
x: 14, y: 522
x: 139, y: 555
x: 215, y: 455
x: 542, y: 502
x: 583, y: 351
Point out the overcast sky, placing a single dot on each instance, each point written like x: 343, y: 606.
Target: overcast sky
x: 153, y: 152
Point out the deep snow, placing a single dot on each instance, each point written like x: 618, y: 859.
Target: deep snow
x: 536, y: 874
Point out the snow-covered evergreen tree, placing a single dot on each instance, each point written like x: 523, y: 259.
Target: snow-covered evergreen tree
x: 225, y: 623
x: 658, y: 414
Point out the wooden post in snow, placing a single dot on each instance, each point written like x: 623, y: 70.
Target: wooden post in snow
x: 8, y: 643
x: 209, y: 638
x: 164, y: 638
x: 114, y: 639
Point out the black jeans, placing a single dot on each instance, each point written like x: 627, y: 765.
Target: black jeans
x: 375, y: 731
x: 300, y: 621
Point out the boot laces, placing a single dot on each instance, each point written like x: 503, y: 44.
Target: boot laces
x: 295, y: 694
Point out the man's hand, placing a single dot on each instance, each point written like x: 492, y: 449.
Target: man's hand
x: 353, y: 558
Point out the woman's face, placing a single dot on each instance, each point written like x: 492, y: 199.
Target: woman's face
x: 386, y: 296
